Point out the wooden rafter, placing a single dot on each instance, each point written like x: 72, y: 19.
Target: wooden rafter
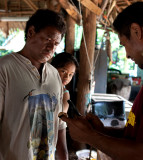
x: 31, y: 5
x: 71, y: 10
x: 6, y: 9
x: 111, y: 7
x: 103, y: 6
x: 19, y: 4
x: 25, y: 8
x: 118, y: 8
x: 53, y: 5
x: 16, y: 13
x: 128, y: 3
x: 91, y: 6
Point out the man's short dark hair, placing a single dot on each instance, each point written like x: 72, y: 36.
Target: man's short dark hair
x: 131, y: 14
x: 43, y: 18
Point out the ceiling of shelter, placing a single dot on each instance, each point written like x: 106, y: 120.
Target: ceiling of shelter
x: 14, y: 13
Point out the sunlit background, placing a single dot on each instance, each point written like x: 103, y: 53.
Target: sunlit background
x: 15, y: 42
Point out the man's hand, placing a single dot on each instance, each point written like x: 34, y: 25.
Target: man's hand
x: 95, y: 122
x: 80, y: 127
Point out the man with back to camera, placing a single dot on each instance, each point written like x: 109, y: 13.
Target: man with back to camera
x: 126, y: 143
x: 31, y: 94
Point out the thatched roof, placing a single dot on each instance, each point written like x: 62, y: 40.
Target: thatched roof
x: 14, y: 13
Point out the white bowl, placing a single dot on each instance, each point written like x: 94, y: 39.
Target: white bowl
x: 83, y: 154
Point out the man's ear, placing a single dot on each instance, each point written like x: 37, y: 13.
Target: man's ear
x: 136, y: 30
x: 31, y: 32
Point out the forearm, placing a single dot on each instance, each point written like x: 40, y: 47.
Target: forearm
x: 66, y: 97
x: 117, y: 148
x: 122, y: 149
x: 62, y: 152
x: 115, y: 132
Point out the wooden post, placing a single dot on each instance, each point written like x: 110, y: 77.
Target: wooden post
x: 70, y: 35
x: 83, y: 87
x: 69, y: 43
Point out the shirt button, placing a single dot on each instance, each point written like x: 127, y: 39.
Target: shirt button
x: 28, y: 62
x: 38, y: 77
x: 34, y: 69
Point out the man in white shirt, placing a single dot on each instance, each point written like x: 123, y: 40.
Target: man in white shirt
x: 31, y: 94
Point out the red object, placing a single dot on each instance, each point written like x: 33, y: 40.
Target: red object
x: 136, y: 80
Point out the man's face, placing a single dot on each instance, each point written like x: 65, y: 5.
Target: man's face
x: 43, y: 44
x: 134, y: 49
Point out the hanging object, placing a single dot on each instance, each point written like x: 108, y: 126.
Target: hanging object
x: 103, y: 6
x: 108, y: 47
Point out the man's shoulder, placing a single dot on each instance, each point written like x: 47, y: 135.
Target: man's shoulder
x: 50, y: 67
x: 6, y: 59
x: 54, y: 72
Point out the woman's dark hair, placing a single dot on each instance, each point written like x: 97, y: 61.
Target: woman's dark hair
x: 61, y: 59
x: 43, y: 18
x: 131, y: 14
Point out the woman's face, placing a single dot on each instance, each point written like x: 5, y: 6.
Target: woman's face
x: 66, y: 73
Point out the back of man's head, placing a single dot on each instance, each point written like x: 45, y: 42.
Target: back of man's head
x: 131, y: 14
x: 43, y: 18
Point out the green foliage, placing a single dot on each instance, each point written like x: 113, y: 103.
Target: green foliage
x: 4, y: 41
x: 78, y: 36
x: 4, y: 52
x: 2, y: 38
x: 120, y: 61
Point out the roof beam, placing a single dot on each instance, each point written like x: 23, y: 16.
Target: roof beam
x: 111, y: 8
x: 128, y: 3
x: 5, y: 2
x: 31, y: 5
x: 71, y: 10
x: 91, y: 6
x: 118, y: 8
x: 104, y: 5
x: 16, y: 13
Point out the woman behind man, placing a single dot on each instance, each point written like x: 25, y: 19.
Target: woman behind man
x: 66, y: 64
